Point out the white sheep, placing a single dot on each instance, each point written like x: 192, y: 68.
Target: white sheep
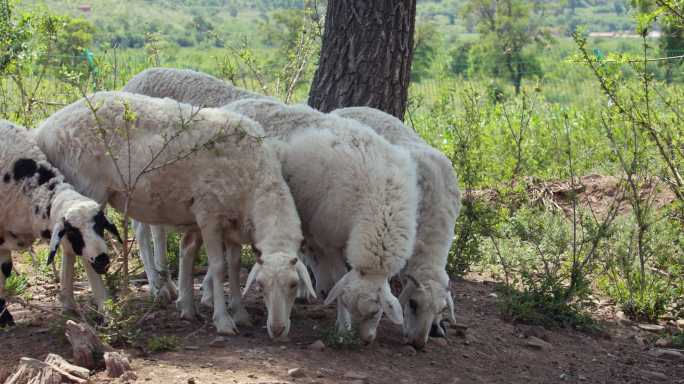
x: 36, y: 203
x: 426, y: 294
x: 206, y: 171
x: 197, y: 89
x: 285, y: 123
x: 357, y: 198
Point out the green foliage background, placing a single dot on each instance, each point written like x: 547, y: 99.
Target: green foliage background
x: 564, y: 122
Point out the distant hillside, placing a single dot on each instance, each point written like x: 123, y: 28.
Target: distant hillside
x: 206, y: 23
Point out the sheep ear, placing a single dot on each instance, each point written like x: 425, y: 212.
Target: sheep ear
x: 337, y: 289
x: 391, y: 306
x: 55, y: 240
x: 111, y: 228
x: 252, y: 276
x: 450, y: 305
x: 304, y: 276
x: 406, y: 293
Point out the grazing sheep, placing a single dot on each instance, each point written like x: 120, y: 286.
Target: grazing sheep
x: 426, y: 294
x: 194, y: 88
x: 205, y: 171
x: 36, y: 203
x: 356, y: 195
x: 364, y: 291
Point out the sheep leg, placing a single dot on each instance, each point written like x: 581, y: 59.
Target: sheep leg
x: 166, y: 290
x: 343, y: 321
x: 213, y: 238
x: 143, y: 236
x: 97, y: 285
x: 5, y: 271
x: 67, y: 283
x: 237, y: 309
x: 190, y: 244
x: 207, y: 291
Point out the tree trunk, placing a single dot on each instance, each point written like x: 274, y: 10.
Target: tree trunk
x: 366, y: 56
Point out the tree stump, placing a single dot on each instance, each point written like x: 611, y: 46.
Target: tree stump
x: 87, y: 348
x: 32, y: 371
x: 117, y: 364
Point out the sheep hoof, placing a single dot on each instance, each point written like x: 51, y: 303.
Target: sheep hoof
x: 226, y: 326
x: 242, y: 318
x: 187, y: 312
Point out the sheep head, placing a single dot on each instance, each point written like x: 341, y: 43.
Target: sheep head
x: 423, y: 303
x: 83, y: 224
x: 366, y: 297
x: 277, y: 277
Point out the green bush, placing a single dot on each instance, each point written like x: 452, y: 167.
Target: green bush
x: 163, y: 343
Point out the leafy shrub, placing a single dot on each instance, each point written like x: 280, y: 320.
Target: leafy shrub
x: 16, y: 285
x: 336, y: 339
x: 163, y: 343
x: 546, y: 306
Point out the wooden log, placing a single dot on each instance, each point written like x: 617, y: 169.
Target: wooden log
x: 117, y: 364
x: 87, y: 347
x: 32, y: 371
x: 59, y: 362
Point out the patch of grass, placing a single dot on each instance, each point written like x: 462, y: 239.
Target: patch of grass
x: 163, y: 343
x: 16, y: 285
x: 340, y: 339
x: 678, y: 339
x: 647, y: 310
x: 536, y: 308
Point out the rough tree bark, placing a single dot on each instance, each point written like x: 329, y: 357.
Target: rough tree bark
x: 366, y: 56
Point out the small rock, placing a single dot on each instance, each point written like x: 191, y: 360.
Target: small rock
x: 296, y: 372
x: 651, y: 327
x: 408, y: 350
x: 654, y: 375
x: 128, y: 376
x: 442, y: 342
x: 219, y: 342
x: 669, y: 354
x: 458, y: 329
x: 494, y: 295
x: 622, y: 318
x: 191, y: 347
x: 192, y: 381
x: 537, y: 343
x: 680, y: 323
x: 535, y: 331
x: 663, y: 342
x: 353, y: 375
x: 317, y: 345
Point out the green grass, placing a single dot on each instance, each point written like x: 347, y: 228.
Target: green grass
x: 537, y: 308
x: 163, y: 343
x: 336, y: 339
x: 16, y: 285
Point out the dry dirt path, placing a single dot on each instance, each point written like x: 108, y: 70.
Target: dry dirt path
x: 491, y: 351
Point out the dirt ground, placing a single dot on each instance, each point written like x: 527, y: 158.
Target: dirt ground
x: 490, y: 351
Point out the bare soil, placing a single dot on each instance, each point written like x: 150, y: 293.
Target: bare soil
x: 490, y: 351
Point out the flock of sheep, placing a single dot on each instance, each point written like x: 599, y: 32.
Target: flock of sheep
x: 354, y: 196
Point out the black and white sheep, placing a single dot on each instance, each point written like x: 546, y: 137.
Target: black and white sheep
x: 206, y: 171
x: 36, y: 203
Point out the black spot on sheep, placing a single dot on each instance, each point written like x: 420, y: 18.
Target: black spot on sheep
x: 24, y: 168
